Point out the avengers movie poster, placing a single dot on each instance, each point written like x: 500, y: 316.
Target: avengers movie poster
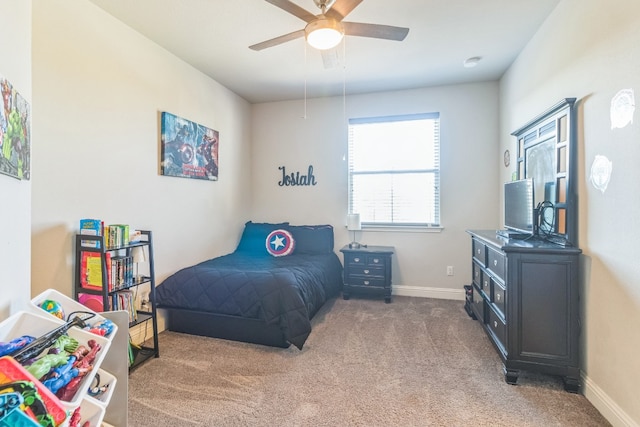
x: 188, y: 150
x: 15, y: 133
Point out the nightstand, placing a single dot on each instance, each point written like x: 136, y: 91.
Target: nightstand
x: 367, y: 270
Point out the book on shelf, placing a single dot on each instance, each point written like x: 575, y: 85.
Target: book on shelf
x: 116, y: 235
x: 91, y: 271
x: 125, y: 300
x: 121, y: 273
x: 91, y: 227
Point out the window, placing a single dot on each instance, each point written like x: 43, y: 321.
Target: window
x: 394, y: 170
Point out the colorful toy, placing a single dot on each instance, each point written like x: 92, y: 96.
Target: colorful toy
x: 43, y: 365
x: 102, y: 328
x: 83, y: 365
x: 53, y: 307
x: 40, y: 344
x: 15, y: 345
x: 61, y: 376
x: 39, y: 403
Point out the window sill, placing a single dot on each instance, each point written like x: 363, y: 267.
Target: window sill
x: 403, y: 228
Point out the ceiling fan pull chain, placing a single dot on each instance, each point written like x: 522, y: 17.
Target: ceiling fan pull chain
x: 306, y: 72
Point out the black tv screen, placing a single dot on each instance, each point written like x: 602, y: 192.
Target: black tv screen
x: 518, y: 206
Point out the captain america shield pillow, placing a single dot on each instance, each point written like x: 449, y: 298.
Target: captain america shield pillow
x: 280, y: 243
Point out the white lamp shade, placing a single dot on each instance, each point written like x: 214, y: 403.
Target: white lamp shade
x: 138, y: 254
x: 353, y: 222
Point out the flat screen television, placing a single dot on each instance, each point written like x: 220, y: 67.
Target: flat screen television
x: 518, y: 207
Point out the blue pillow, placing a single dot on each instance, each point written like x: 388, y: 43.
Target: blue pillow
x: 312, y: 239
x: 254, y: 236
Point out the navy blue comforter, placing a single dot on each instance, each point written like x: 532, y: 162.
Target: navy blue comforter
x: 287, y: 291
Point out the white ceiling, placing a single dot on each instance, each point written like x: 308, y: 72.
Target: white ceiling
x: 214, y: 35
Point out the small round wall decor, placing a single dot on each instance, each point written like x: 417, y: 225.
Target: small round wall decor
x: 507, y: 158
x: 280, y: 243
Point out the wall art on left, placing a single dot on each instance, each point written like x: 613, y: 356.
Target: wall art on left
x: 15, y: 133
x: 188, y: 150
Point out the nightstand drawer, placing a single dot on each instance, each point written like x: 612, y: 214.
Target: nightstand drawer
x: 366, y: 271
x: 374, y: 282
x: 371, y: 260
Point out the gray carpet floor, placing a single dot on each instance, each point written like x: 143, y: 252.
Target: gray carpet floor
x: 414, y: 362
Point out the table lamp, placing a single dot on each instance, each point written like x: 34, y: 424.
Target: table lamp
x: 353, y: 224
x: 138, y: 255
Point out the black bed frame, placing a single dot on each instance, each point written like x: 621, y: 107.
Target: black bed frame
x: 224, y: 326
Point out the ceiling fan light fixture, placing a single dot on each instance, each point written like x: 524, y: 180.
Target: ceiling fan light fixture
x: 324, y: 33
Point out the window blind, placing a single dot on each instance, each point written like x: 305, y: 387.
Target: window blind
x: 394, y: 169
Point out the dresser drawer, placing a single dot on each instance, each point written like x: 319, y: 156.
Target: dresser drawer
x: 498, y: 297
x: 485, y: 284
x: 477, y: 275
x: 477, y: 304
x: 480, y: 251
x: 498, y: 327
x: 496, y: 262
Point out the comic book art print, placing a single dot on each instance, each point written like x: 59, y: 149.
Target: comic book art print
x: 15, y: 133
x: 189, y: 150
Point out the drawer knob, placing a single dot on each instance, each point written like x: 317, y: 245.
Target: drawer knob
x: 366, y: 271
x: 356, y: 259
x: 498, y: 297
x: 495, y: 262
x: 376, y: 260
x: 495, y: 324
x: 486, y: 283
x: 366, y: 283
x: 478, y: 251
x: 477, y: 274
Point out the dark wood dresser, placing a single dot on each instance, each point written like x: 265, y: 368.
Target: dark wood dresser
x: 367, y: 270
x: 525, y: 294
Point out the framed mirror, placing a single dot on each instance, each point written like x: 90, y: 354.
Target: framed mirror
x: 547, y: 153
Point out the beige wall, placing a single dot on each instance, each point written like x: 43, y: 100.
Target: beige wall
x: 98, y: 90
x: 15, y: 208
x: 588, y: 49
x: 469, y: 138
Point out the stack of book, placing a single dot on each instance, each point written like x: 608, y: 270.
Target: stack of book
x: 119, y: 268
x: 115, y: 235
x: 125, y: 300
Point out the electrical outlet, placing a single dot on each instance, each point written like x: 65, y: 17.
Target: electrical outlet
x: 450, y: 270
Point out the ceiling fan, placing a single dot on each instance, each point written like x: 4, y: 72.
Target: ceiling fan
x: 325, y: 31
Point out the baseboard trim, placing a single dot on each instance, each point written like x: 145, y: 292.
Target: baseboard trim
x: 423, y: 292
x: 607, y: 406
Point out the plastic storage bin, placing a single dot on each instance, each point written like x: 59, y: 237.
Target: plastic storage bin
x: 68, y: 306
x: 27, y: 323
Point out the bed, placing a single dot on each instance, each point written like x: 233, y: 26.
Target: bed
x: 265, y: 292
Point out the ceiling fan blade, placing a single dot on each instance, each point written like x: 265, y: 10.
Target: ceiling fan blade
x: 278, y: 40
x: 341, y: 8
x: 330, y: 58
x: 293, y: 9
x: 375, y: 30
